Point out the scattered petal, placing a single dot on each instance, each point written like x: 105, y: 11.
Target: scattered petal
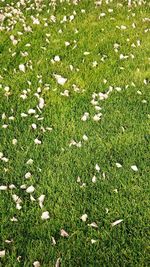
x: 84, y: 217
x: 36, y: 264
x: 116, y: 222
x: 45, y: 215
x: 63, y: 233
x: 30, y: 189
x: 2, y: 253
x: 134, y: 168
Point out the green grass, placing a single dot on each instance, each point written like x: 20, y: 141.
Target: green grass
x: 122, y: 135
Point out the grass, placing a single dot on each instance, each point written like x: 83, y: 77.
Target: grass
x: 121, y: 136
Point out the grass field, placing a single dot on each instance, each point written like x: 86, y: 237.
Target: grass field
x: 74, y: 133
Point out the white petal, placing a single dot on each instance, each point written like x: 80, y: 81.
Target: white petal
x: 53, y: 241
x: 30, y: 189
x: 33, y: 125
x: 2, y: 253
x: 31, y: 111
x: 93, y: 241
x: 116, y: 222
x: 36, y: 264
x: 57, y: 263
x: 12, y: 186
x: 97, y: 168
x: 84, y: 217
x: 45, y: 215
x: 37, y: 141
x: 85, y: 138
x: 93, y: 224
x: 3, y: 187
x: 94, y: 179
x: 41, y: 200
x: 14, y: 141
x: 14, y: 219
x: 134, y: 168
x: 41, y: 103
x: 118, y: 165
x: 22, y: 67
x: 60, y: 80
x: 64, y: 233
x: 27, y: 175
x: 57, y: 58
x: 29, y: 162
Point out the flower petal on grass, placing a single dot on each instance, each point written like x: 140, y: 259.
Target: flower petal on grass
x: 93, y: 224
x: 116, y: 222
x: 45, y: 215
x: 2, y: 253
x: 3, y: 187
x: 57, y: 263
x: 30, y: 189
x: 60, y: 80
x: 84, y: 217
x: 22, y: 67
x: 134, y: 168
x: 36, y: 264
x: 63, y: 233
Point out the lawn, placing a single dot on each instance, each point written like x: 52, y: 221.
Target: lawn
x: 74, y: 133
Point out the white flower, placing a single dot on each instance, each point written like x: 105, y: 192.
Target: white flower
x: 22, y: 67
x: 3, y: 187
x: 84, y: 217
x: 118, y: 165
x: 116, y: 222
x: 37, y: 141
x: 27, y: 175
x: 30, y: 189
x: 36, y: 264
x: 97, y: 168
x: 2, y: 253
x: 134, y: 168
x: 45, y: 215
